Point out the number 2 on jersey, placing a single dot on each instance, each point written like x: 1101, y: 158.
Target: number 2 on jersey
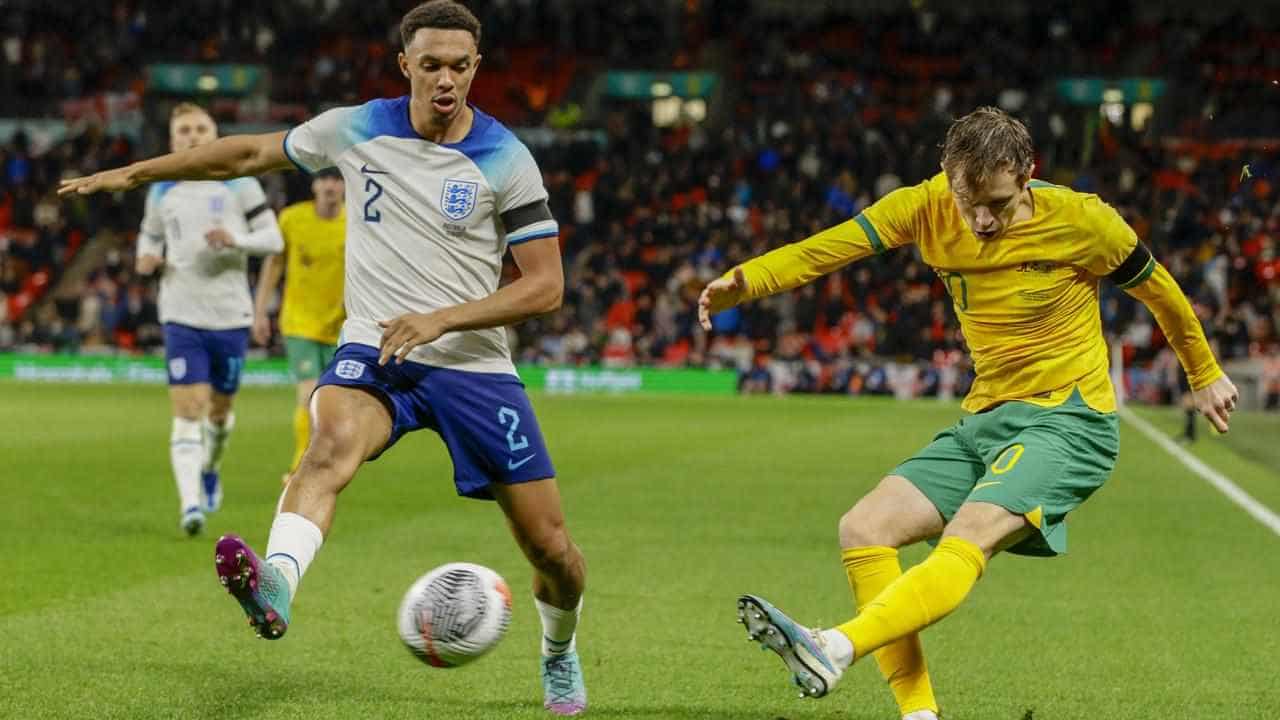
x: 371, y: 214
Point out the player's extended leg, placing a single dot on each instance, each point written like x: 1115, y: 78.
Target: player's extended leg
x: 186, y: 450
x: 923, y: 595
x: 350, y: 426
x: 537, y: 522
x: 1040, y: 464
x: 893, y: 515
x: 929, y: 591
x: 908, y: 505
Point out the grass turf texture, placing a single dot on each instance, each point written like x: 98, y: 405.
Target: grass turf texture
x: 1164, y: 609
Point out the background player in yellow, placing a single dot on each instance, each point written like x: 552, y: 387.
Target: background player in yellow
x: 311, y: 310
x: 1022, y: 260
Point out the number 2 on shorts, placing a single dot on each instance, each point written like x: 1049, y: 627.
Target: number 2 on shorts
x: 507, y: 416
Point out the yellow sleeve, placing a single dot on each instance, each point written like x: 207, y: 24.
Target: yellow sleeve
x: 793, y: 265
x: 896, y: 219
x: 1114, y: 251
x: 1162, y: 296
x: 1110, y: 239
x: 890, y: 222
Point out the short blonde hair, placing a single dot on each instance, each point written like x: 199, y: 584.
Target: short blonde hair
x: 186, y: 108
x: 984, y: 142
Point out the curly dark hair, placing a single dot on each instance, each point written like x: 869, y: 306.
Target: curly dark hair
x: 440, y: 14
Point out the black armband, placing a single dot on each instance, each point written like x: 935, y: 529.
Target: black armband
x: 255, y: 212
x: 1135, y: 269
x: 526, y: 215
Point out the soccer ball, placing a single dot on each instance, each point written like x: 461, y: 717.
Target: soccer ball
x: 454, y: 614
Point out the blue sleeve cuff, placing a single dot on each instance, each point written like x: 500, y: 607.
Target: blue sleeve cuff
x: 289, y: 155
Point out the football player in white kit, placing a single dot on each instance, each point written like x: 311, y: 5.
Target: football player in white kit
x: 196, y: 236
x: 437, y: 192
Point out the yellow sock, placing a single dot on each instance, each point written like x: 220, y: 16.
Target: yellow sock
x: 301, y: 435
x: 923, y: 595
x: 870, y: 571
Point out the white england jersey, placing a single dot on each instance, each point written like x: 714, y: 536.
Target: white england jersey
x: 427, y: 223
x: 199, y: 286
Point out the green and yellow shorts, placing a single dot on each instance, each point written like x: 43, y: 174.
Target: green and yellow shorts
x: 1039, y: 462
x: 307, y: 358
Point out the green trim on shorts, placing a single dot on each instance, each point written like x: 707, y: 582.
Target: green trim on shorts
x: 1039, y: 462
x: 307, y: 358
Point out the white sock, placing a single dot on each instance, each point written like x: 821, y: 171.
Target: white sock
x: 186, y: 452
x: 215, y: 441
x: 558, y: 628
x: 838, y: 647
x: 292, y: 546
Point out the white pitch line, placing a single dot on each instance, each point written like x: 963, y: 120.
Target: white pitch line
x: 1234, y: 493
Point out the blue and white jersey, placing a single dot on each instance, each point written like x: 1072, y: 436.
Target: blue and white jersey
x: 427, y: 223
x: 199, y: 286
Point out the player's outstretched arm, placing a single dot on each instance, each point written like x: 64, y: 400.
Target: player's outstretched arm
x: 721, y: 294
x: 892, y: 221
x: 538, y: 291
x: 1217, y: 401
x: 229, y: 157
x: 785, y: 268
x: 1214, y: 394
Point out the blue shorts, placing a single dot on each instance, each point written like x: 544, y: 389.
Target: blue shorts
x: 485, y: 419
x: 205, y: 356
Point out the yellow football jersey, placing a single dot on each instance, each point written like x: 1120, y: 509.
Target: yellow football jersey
x: 313, y: 247
x: 1027, y: 301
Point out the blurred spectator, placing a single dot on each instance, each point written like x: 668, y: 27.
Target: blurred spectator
x: 821, y: 115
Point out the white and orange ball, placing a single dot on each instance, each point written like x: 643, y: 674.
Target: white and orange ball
x: 454, y: 614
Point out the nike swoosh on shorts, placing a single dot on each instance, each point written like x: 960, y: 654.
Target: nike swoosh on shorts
x: 512, y: 464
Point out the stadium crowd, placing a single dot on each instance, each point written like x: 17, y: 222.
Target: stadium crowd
x: 813, y: 135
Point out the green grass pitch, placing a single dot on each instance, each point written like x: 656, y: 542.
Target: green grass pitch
x: 1165, y: 608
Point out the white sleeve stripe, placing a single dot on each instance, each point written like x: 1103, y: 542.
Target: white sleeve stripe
x: 545, y: 228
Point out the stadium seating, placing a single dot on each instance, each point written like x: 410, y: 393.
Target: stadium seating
x: 827, y: 117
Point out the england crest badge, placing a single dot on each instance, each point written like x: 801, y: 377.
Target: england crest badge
x: 458, y: 198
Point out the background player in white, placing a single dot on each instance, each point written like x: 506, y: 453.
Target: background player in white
x: 436, y: 192
x: 196, y: 235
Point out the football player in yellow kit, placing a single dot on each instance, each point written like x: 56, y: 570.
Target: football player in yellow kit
x: 311, y: 311
x: 1022, y: 260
